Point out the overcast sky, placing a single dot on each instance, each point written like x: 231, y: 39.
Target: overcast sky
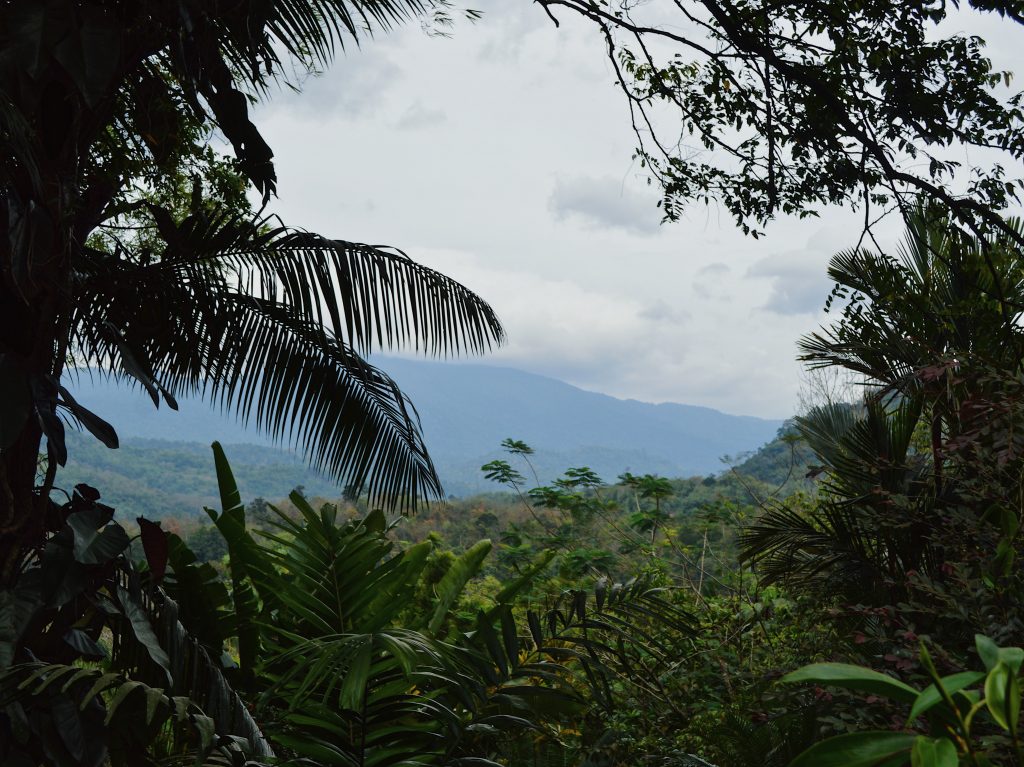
x: 501, y: 156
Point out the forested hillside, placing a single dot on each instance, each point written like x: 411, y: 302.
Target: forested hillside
x: 163, y: 479
x: 159, y: 478
x: 466, y: 411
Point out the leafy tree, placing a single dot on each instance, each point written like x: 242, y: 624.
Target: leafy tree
x: 781, y: 107
x: 127, y: 244
x: 649, y: 488
x: 207, y: 544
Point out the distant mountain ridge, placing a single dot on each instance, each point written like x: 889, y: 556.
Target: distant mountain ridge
x: 466, y: 411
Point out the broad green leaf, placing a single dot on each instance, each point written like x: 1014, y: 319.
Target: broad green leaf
x: 1013, y: 703
x: 933, y: 752
x: 84, y: 645
x: 454, y: 581
x: 1013, y: 657
x: 181, y: 705
x: 1002, y: 696
x: 230, y: 498
x: 143, y: 631
x: 154, y: 698
x: 992, y: 654
x: 996, y: 687
x: 207, y: 731
x: 858, y: 749
x: 855, y: 678
x: 245, y: 563
x: 931, y: 695
x: 17, y: 608
x: 97, y: 539
x: 67, y: 721
x: 987, y: 650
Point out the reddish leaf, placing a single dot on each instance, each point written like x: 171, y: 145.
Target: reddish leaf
x: 154, y: 543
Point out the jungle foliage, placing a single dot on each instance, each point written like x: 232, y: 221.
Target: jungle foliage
x: 839, y: 619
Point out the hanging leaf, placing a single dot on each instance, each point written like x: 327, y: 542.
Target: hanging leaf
x: 155, y: 546
x: 96, y: 426
x: 84, y: 645
x: 143, y: 631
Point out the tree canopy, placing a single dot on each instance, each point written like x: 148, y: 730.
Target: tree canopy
x: 780, y: 107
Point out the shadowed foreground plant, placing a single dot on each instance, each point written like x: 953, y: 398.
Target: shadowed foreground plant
x: 971, y: 717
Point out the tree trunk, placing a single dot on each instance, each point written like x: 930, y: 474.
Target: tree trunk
x: 23, y: 510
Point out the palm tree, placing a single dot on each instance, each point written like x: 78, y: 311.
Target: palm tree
x: 914, y: 477
x: 948, y: 304
x: 127, y: 244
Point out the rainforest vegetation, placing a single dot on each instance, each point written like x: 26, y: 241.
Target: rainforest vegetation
x: 849, y: 597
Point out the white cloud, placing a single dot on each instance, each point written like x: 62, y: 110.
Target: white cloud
x: 604, y: 203
x: 419, y: 116
x: 798, y: 279
x: 356, y: 86
x: 712, y: 281
x: 527, y: 192
x: 694, y: 351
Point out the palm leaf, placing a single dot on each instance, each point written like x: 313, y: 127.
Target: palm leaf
x: 131, y: 714
x: 270, y: 324
x: 466, y: 567
x: 310, y: 30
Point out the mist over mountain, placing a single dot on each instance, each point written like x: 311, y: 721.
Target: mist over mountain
x: 466, y: 411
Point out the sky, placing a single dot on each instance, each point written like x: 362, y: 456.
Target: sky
x: 501, y: 156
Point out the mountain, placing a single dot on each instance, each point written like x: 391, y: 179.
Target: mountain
x: 466, y: 411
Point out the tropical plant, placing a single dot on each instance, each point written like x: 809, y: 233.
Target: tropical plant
x: 313, y: 636
x: 128, y: 245
x: 944, y: 727
x: 869, y: 524
x: 344, y: 672
x: 94, y: 663
x: 919, y: 480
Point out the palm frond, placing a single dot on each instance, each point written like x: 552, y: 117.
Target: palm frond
x: 865, y: 449
x: 109, y: 715
x: 369, y: 296
x: 311, y: 31
x: 270, y: 324
x: 827, y: 548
